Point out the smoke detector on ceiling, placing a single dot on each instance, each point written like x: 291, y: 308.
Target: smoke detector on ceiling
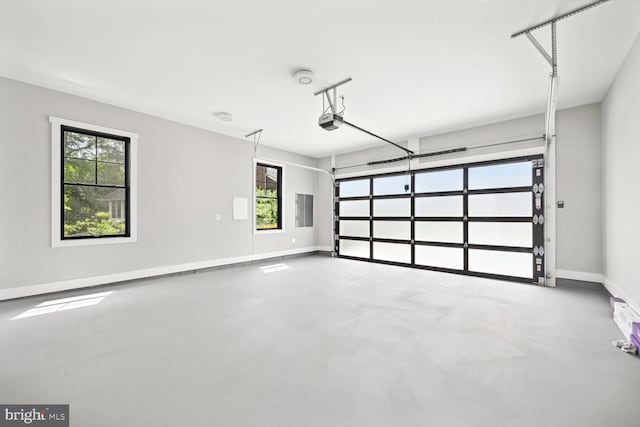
x: 303, y: 76
x: 222, y: 116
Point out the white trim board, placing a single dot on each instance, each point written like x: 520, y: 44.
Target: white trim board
x: 86, y: 282
x: 580, y: 275
x: 56, y: 131
x: 616, y: 291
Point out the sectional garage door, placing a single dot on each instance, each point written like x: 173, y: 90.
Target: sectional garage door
x: 481, y: 219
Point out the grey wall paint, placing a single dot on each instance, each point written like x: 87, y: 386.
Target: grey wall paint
x: 353, y: 159
x: 324, y: 207
x: 579, y: 173
x: 185, y: 177
x: 621, y: 133
x: 579, y: 185
x: 510, y: 130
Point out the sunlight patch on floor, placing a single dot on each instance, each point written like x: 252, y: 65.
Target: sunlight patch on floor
x: 63, y: 304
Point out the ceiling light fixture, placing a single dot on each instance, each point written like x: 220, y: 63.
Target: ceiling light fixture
x: 303, y: 76
x: 222, y: 116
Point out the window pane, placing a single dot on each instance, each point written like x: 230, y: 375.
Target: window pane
x: 496, y: 176
x: 356, y: 248
x: 439, y: 206
x: 261, y: 176
x: 267, y: 197
x: 117, y: 211
x: 354, y: 188
x: 392, y: 185
x: 308, y: 210
x: 501, y: 233
x: 304, y: 210
x: 354, y: 228
x: 266, y: 181
x: 79, y: 146
x: 516, y: 264
x: 395, y: 252
x: 436, y: 256
x: 503, y: 204
x: 392, y: 230
x: 80, y: 171
x: 266, y: 213
x: 92, y: 211
x: 111, y: 150
x: 354, y: 208
x: 299, y: 210
x: 271, y: 181
x: 110, y: 174
x: 449, y: 232
x: 392, y: 207
x: 446, y: 180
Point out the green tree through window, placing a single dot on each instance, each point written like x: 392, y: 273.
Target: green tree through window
x: 268, y: 197
x: 95, y: 184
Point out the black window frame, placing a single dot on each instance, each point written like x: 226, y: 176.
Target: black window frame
x: 279, y: 198
x: 126, y: 187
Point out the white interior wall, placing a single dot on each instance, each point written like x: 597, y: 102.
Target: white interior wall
x: 185, y: 177
x: 621, y: 135
x: 579, y: 185
x: 579, y: 228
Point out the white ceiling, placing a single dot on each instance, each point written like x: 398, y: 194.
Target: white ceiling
x: 419, y: 67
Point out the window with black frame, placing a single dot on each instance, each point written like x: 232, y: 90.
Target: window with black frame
x: 95, y: 185
x: 268, y: 197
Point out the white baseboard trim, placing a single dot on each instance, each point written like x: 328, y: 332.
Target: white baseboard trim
x: 85, y: 282
x: 580, y: 275
x: 616, y: 291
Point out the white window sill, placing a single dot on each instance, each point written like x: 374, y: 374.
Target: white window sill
x: 93, y: 242
x: 268, y: 231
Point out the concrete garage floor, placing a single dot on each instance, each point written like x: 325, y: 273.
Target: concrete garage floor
x: 327, y: 342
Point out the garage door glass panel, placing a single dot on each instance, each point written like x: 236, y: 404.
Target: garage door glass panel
x: 354, y: 208
x: 516, y: 264
x: 498, y: 176
x: 447, y: 180
x: 439, y: 206
x: 392, y: 185
x: 354, y: 188
x: 437, y: 256
x: 501, y: 204
x: 355, y: 248
x: 448, y: 232
x: 392, y: 207
x: 400, y: 230
x: 395, y: 252
x: 354, y: 228
x: 501, y: 234
x: 475, y: 219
